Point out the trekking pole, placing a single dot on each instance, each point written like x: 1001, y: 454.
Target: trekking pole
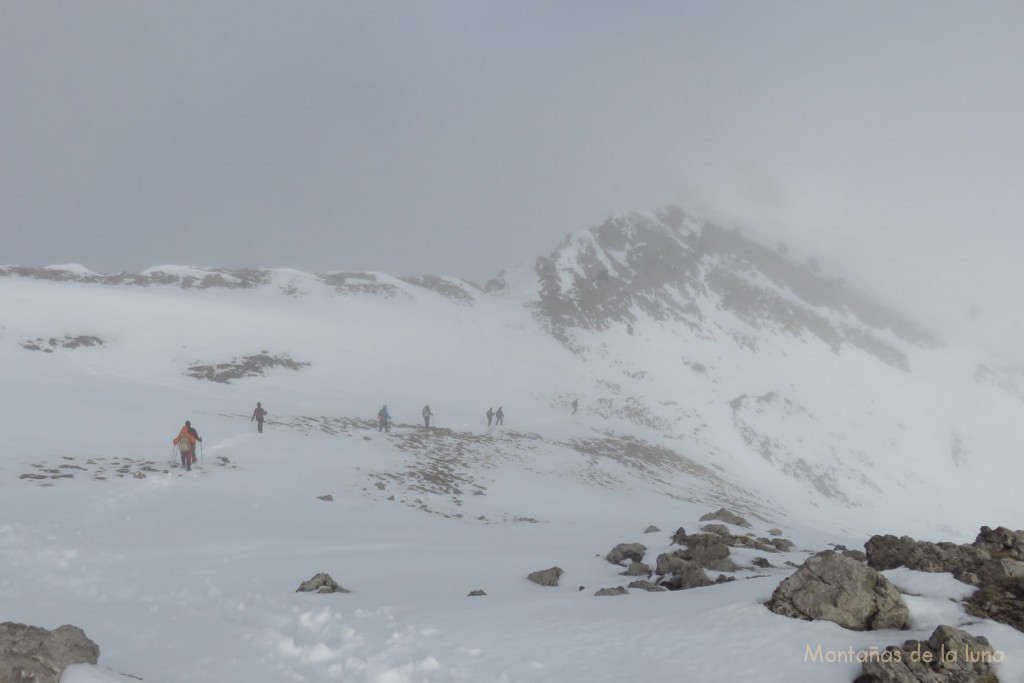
x: 172, y: 455
x: 202, y: 457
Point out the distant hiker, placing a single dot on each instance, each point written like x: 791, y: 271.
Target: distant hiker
x: 426, y: 416
x: 575, y: 405
x: 499, y: 417
x: 383, y: 420
x: 490, y: 416
x: 186, y: 442
x: 258, y: 415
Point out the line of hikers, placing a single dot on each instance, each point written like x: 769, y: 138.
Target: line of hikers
x: 188, y: 437
x: 384, y: 417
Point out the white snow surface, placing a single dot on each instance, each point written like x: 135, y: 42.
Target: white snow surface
x: 192, y: 576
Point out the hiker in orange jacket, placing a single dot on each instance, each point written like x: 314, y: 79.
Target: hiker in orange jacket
x: 186, y: 442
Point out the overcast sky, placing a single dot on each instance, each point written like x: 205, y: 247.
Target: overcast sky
x: 463, y: 137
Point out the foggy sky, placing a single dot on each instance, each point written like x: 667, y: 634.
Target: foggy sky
x: 463, y: 137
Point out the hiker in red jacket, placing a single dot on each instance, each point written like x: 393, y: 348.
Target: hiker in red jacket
x: 186, y: 442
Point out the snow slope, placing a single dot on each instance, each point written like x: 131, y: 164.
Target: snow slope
x: 192, y: 576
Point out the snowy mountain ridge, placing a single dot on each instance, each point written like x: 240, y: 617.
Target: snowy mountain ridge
x: 669, y: 329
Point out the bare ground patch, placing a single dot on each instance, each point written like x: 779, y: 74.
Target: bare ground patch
x: 247, y: 366
x: 66, y: 342
x: 102, y: 469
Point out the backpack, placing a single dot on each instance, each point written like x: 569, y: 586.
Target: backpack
x: 184, y: 445
x: 380, y: 415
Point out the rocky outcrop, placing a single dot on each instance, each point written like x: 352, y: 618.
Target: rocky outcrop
x: 948, y: 656
x: 1001, y: 601
x: 321, y: 583
x: 994, y: 557
x: 617, y: 590
x: 30, y: 654
x: 651, y: 529
x: 1001, y: 543
x: 476, y: 594
x: 835, y: 588
x: 624, y: 551
x: 546, y: 577
x: 727, y: 516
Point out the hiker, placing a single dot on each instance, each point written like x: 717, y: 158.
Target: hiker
x: 499, y: 417
x: 383, y: 420
x: 490, y: 416
x: 426, y: 416
x: 575, y: 405
x: 186, y: 442
x: 258, y: 415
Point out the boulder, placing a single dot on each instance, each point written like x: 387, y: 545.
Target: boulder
x: 637, y: 569
x: 326, y: 498
x: 685, y: 574
x: 831, y: 587
x: 705, y: 549
x: 783, y: 545
x: 948, y: 656
x: 651, y: 529
x: 30, y: 654
x: 321, y: 583
x: 624, y: 551
x: 546, y: 577
x: 679, y: 537
x: 727, y: 516
x: 1001, y: 542
x: 720, y: 529
x: 647, y: 586
x: 476, y: 594
x: 618, y: 590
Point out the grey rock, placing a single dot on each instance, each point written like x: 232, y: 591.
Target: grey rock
x: 329, y: 498
x: 1001, y: 542
x: 637, y: 569
x: 679, y: 537
x: 948, y: 656
x: 783, y: 545
x: 775, y: 532
x: 651, y: 529
x: 647, y: 586
x: 321, y: 583
x: 684, y: 575
x: 839, y: 589
x: 30, y: 654
x: 624, y: 551
x: 720, y: 529
x: 546, y: 577
x: 761, y: 562
x: 475, y: 594
x: 705, y: 549
x: 727, y: 516
x: 618, y: 590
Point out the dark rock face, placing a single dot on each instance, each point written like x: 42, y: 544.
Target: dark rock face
x: 835, y: 588
x: 321, y: 583
x: 546, y: 577
x: 948, y: 656
x: 29, y: 654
